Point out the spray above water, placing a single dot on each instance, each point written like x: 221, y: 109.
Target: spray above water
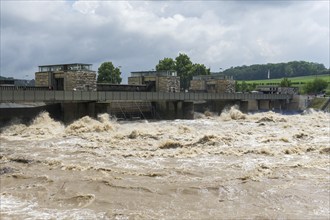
x: 43, y: 126
x: 88, y: 124
x: 232, y: 113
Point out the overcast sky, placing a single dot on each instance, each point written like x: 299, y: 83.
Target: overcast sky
x: 137, y: 34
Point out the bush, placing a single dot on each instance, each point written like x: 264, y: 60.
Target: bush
x: 316, y: 86
x: 285, y: 83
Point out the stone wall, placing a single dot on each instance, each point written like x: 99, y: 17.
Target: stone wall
x: 168, y: 84
x: 213, y: 86
x: 75, y: 80
x: 58, y: 75
x: 148, y: 79
x: 42, y: 79
x: 163, y: 83
x: 197, y: 85
x: 135, y: 80
x: 225, y: 86
x: 80, y: 81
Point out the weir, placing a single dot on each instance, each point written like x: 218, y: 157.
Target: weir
x: 162, y: 105
x: 68, y: 112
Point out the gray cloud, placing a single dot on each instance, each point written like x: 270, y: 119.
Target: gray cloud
x: 136, y: 35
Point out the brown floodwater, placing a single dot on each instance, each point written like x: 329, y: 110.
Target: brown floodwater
x: 232, y: 166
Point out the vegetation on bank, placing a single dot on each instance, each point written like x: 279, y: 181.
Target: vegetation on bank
x: 304, y: 71
x: 294, y: 80
x: 307, y: 84
x: 318, y: 103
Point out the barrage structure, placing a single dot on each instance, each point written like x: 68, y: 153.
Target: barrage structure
x: 73, y: 88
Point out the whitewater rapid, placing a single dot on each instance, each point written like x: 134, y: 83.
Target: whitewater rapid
x: 263, y: 165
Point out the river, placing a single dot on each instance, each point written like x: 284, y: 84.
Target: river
x: 229, y: 166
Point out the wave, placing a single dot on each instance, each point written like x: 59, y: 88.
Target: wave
x: 80, y: 201
x: 42, y: 126
x: 233, y: 113
x: 87, y: 124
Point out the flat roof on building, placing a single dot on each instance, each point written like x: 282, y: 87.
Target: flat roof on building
x: 66, y: 67
x: 67, y: 64
x: 212, y: 76
x: 154, y: 73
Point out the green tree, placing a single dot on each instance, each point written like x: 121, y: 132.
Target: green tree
x: 315, y: 86
x: 198, y: 69
x: 252, y: 86
x: 183, y: 68
x: 237, y: 87
x: 285, y: 83
x: 288, y: 70
x: 244, y: 87
x: 166, y: 64
x: 107, y: 73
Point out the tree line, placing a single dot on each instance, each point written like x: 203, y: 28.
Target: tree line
x: 276, y: 70
x: 186, y: 69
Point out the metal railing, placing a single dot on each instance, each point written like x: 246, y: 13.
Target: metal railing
x: 13, y: 87
x: 72, y: 96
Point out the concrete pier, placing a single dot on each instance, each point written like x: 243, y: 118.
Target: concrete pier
x: 263, y: 105
x: 26, y: 113
x: 175, y: 109
x: 74, y: 111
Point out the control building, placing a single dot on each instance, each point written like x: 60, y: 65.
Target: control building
x: 67, y: 77
x: 214, y: 83
x: 157, y: 81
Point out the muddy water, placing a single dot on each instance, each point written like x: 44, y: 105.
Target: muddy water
x: 258, y: 166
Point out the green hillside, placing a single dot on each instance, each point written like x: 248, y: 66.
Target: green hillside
x: 296, y: 81
x: 276, y: 70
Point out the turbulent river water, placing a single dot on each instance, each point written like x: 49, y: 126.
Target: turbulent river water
x: 233, y: 166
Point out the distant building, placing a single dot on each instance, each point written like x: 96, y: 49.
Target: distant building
x: 275, y: 89
x: 160, y: 81
x: 214, y: 83
x: 75, y: 76
x: 7, y: 82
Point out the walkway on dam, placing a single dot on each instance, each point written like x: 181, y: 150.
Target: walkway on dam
x: 108, y: 96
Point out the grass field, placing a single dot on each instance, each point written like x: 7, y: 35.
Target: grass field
x: 296, y: 81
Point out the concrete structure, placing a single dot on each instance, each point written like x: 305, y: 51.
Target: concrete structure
x: 7, y: 82
x: 53, y: 96
x: 75, y: 104
x: 275, y: 89
x: 25, y: 112
x: 120, y: 87
x: 67, y: 77
x: 156, y: 81
x: 214, y: 83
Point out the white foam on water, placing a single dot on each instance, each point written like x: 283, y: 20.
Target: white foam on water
x: 12, y: 208
x: 232, y: 165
